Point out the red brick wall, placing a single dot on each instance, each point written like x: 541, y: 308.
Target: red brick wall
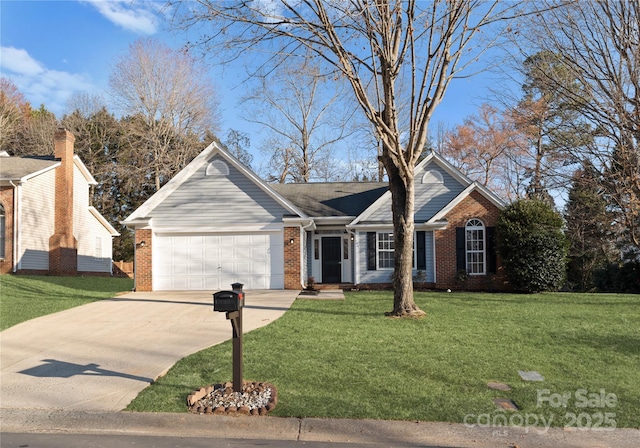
x: 143, y: 264
x: 292, y: 266
x: 6, y: 199
x: 473, y: 206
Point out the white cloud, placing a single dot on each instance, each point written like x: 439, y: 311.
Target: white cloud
x: 137, y: 16
x: 39, y: 84
x: 18, y: 61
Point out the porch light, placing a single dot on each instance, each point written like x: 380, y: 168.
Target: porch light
x: 291, y: 241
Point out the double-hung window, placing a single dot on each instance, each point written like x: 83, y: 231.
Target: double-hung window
x: 475, y: 247
x: 386, y: 250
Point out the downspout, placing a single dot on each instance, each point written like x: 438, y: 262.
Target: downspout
x: 135, y: 261
x: 16, y: 212
x: 310, y: 225
x: 355, y: 259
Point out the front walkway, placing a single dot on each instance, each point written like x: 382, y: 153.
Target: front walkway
x: 99, y: 356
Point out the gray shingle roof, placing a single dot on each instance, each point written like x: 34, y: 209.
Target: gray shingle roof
x: 332, y: 198
x: 16, y: 168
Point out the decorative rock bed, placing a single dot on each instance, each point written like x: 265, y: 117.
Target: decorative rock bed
x: 256, y: 398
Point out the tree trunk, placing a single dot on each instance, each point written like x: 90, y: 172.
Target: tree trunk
x: 402, y: 206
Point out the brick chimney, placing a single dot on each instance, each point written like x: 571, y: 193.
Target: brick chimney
x: 63, y: 246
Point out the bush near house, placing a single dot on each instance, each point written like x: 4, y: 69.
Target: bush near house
x: 533, y: 246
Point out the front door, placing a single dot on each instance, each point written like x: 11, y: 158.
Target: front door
x: 331, y: 260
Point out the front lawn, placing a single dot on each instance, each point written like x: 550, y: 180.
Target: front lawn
x: 24, y: 297
x: 344, y: 359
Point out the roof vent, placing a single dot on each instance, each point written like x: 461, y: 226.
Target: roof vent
x: 432, y: 177
x: 217, y: 168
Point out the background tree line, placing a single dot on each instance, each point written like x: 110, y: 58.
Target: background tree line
x: 571, y: 131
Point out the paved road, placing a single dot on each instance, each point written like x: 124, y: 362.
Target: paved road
x: 99, y: 356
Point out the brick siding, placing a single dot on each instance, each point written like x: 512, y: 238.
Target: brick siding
x: 292, y: 262
x: 473, y: 206
x: 6, y: 199
x: 143, y: 266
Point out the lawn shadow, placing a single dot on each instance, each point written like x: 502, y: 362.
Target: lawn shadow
x: 623, y: 344
x: 53, y: 368
x: 336, y: 312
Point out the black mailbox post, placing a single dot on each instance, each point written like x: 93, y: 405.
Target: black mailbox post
x: 232, y: 303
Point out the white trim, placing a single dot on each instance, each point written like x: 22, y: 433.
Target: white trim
x: 445, y: 165
x: 273, y: 227
x: 101, y: 219
x: 333, y: 220
x: 372, y: 208
x: 83, y: 170
x: 468, y: 228
x: 17, y: 217
x: 435, y: 261
x: 466, y: 192
x: 37, y: 173
x: 370, y: 227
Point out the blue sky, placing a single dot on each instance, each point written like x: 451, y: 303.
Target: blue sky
x: 51, y: 49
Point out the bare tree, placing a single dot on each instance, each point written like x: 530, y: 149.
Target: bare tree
x: 484, y: 147
x: 12, y: 112
x: 399, y: 58
x: 237, y: 143
x: 92, y: 126
x: 599, y: 44
x: 305, y: 114
x: 168, y: 92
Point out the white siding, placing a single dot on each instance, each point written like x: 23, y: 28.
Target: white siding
x: 384, y: 275
x: 87, y: 229
x: 36, y: 221
x: 429, y: 198
x: 209, y: 201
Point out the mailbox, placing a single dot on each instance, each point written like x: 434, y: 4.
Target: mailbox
x: 228, y: 301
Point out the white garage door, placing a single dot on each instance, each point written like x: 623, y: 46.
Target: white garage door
x: 215, y: 261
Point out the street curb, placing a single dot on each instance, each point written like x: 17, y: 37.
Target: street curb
x: 403, y: 433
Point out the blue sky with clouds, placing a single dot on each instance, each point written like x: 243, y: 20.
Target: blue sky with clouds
x: 51, y: 49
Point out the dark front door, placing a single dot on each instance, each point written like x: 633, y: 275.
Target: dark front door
x: 331, y: 260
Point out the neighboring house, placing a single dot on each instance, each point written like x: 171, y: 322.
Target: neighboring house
x: 216, y: 223
x: 46, y: 223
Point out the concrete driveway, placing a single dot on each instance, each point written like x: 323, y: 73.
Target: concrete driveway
x: 99, y: 356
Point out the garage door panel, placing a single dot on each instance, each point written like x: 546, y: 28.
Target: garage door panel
x: 214, y: 261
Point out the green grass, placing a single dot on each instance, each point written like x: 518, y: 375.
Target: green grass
x: 344, y: 359
x: 26, y: 297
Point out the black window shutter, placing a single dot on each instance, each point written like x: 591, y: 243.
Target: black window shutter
x: 491, y: 250
x: 461, y: 253
x: 421, y: 262
x: 371, y: 251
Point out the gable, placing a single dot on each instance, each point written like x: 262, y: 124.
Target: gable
x: 217, y: 198
x: 435, y: 188
x: 223, y: 197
